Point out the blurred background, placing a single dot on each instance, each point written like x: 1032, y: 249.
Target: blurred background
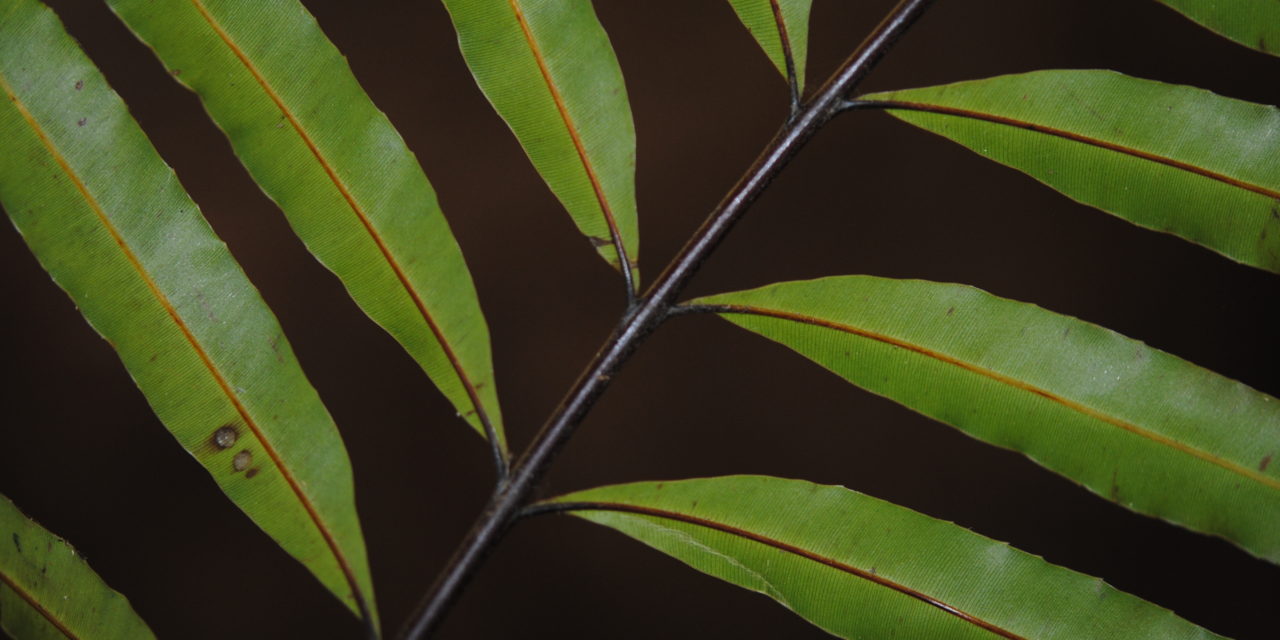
x: 81, y: 452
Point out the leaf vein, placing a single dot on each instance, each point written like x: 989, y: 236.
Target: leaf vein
x: 363, y: 217
x: 1012, y: 382
x: 1076, y: 137
x: 792, y: 549
x: 26, y: 595
x: 624, y: 263
x: 196, y: 346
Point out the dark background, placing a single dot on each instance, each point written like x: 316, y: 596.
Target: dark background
x: 81, y: 452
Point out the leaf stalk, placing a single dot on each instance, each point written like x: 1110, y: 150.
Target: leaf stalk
x: 793, y: 83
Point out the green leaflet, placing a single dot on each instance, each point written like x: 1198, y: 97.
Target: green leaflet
x: 549, y: 70
x: 110, y: 222
x: 768, y: 19
x: 1136, y: 425
x: 1166, y: 157
x: 49, y: 592
x: 1252, y: 23
x: 859, y: 567
x: 350, y: 187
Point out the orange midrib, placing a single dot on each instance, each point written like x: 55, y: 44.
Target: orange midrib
x: 804, y: 553
x: 784, y: 38
x: 562, y: 108
x: 1012, y: 382
x: 419, y: 303
x: 249, y: 421
x: 22, y: 593
x: 1081, y: 138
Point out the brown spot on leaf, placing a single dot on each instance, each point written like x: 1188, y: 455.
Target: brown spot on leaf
x: 274, y: 343
x: 81, y: 121
x: 17, y: 542
x: 242, y: 460
x: 225, y: 436
x: 79, y: 84
x: 251, y: 473
x: 951, y: 310
x: 1262, y: 466
x: 175, y: 72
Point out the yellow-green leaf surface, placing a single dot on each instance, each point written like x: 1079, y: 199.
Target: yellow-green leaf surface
x: 1166, y: 157
x: 1252, y: 23
x: 549, y: 70
x: 352, y: 190
x: 1135, y: 425
x: 779, y: 26
x: 48, y: 592
x: 863, y: 568
x: 107, y: 218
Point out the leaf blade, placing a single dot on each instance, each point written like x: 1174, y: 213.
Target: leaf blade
x: 1166, y: 157
x: 852, y: 564
x: 1083, y: 401
x: 346, y: 181
x: 779, y: 27
x: 47, y: 590
x: 109, y: 221
x: 1252, y: 23
x: 549, y: 71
